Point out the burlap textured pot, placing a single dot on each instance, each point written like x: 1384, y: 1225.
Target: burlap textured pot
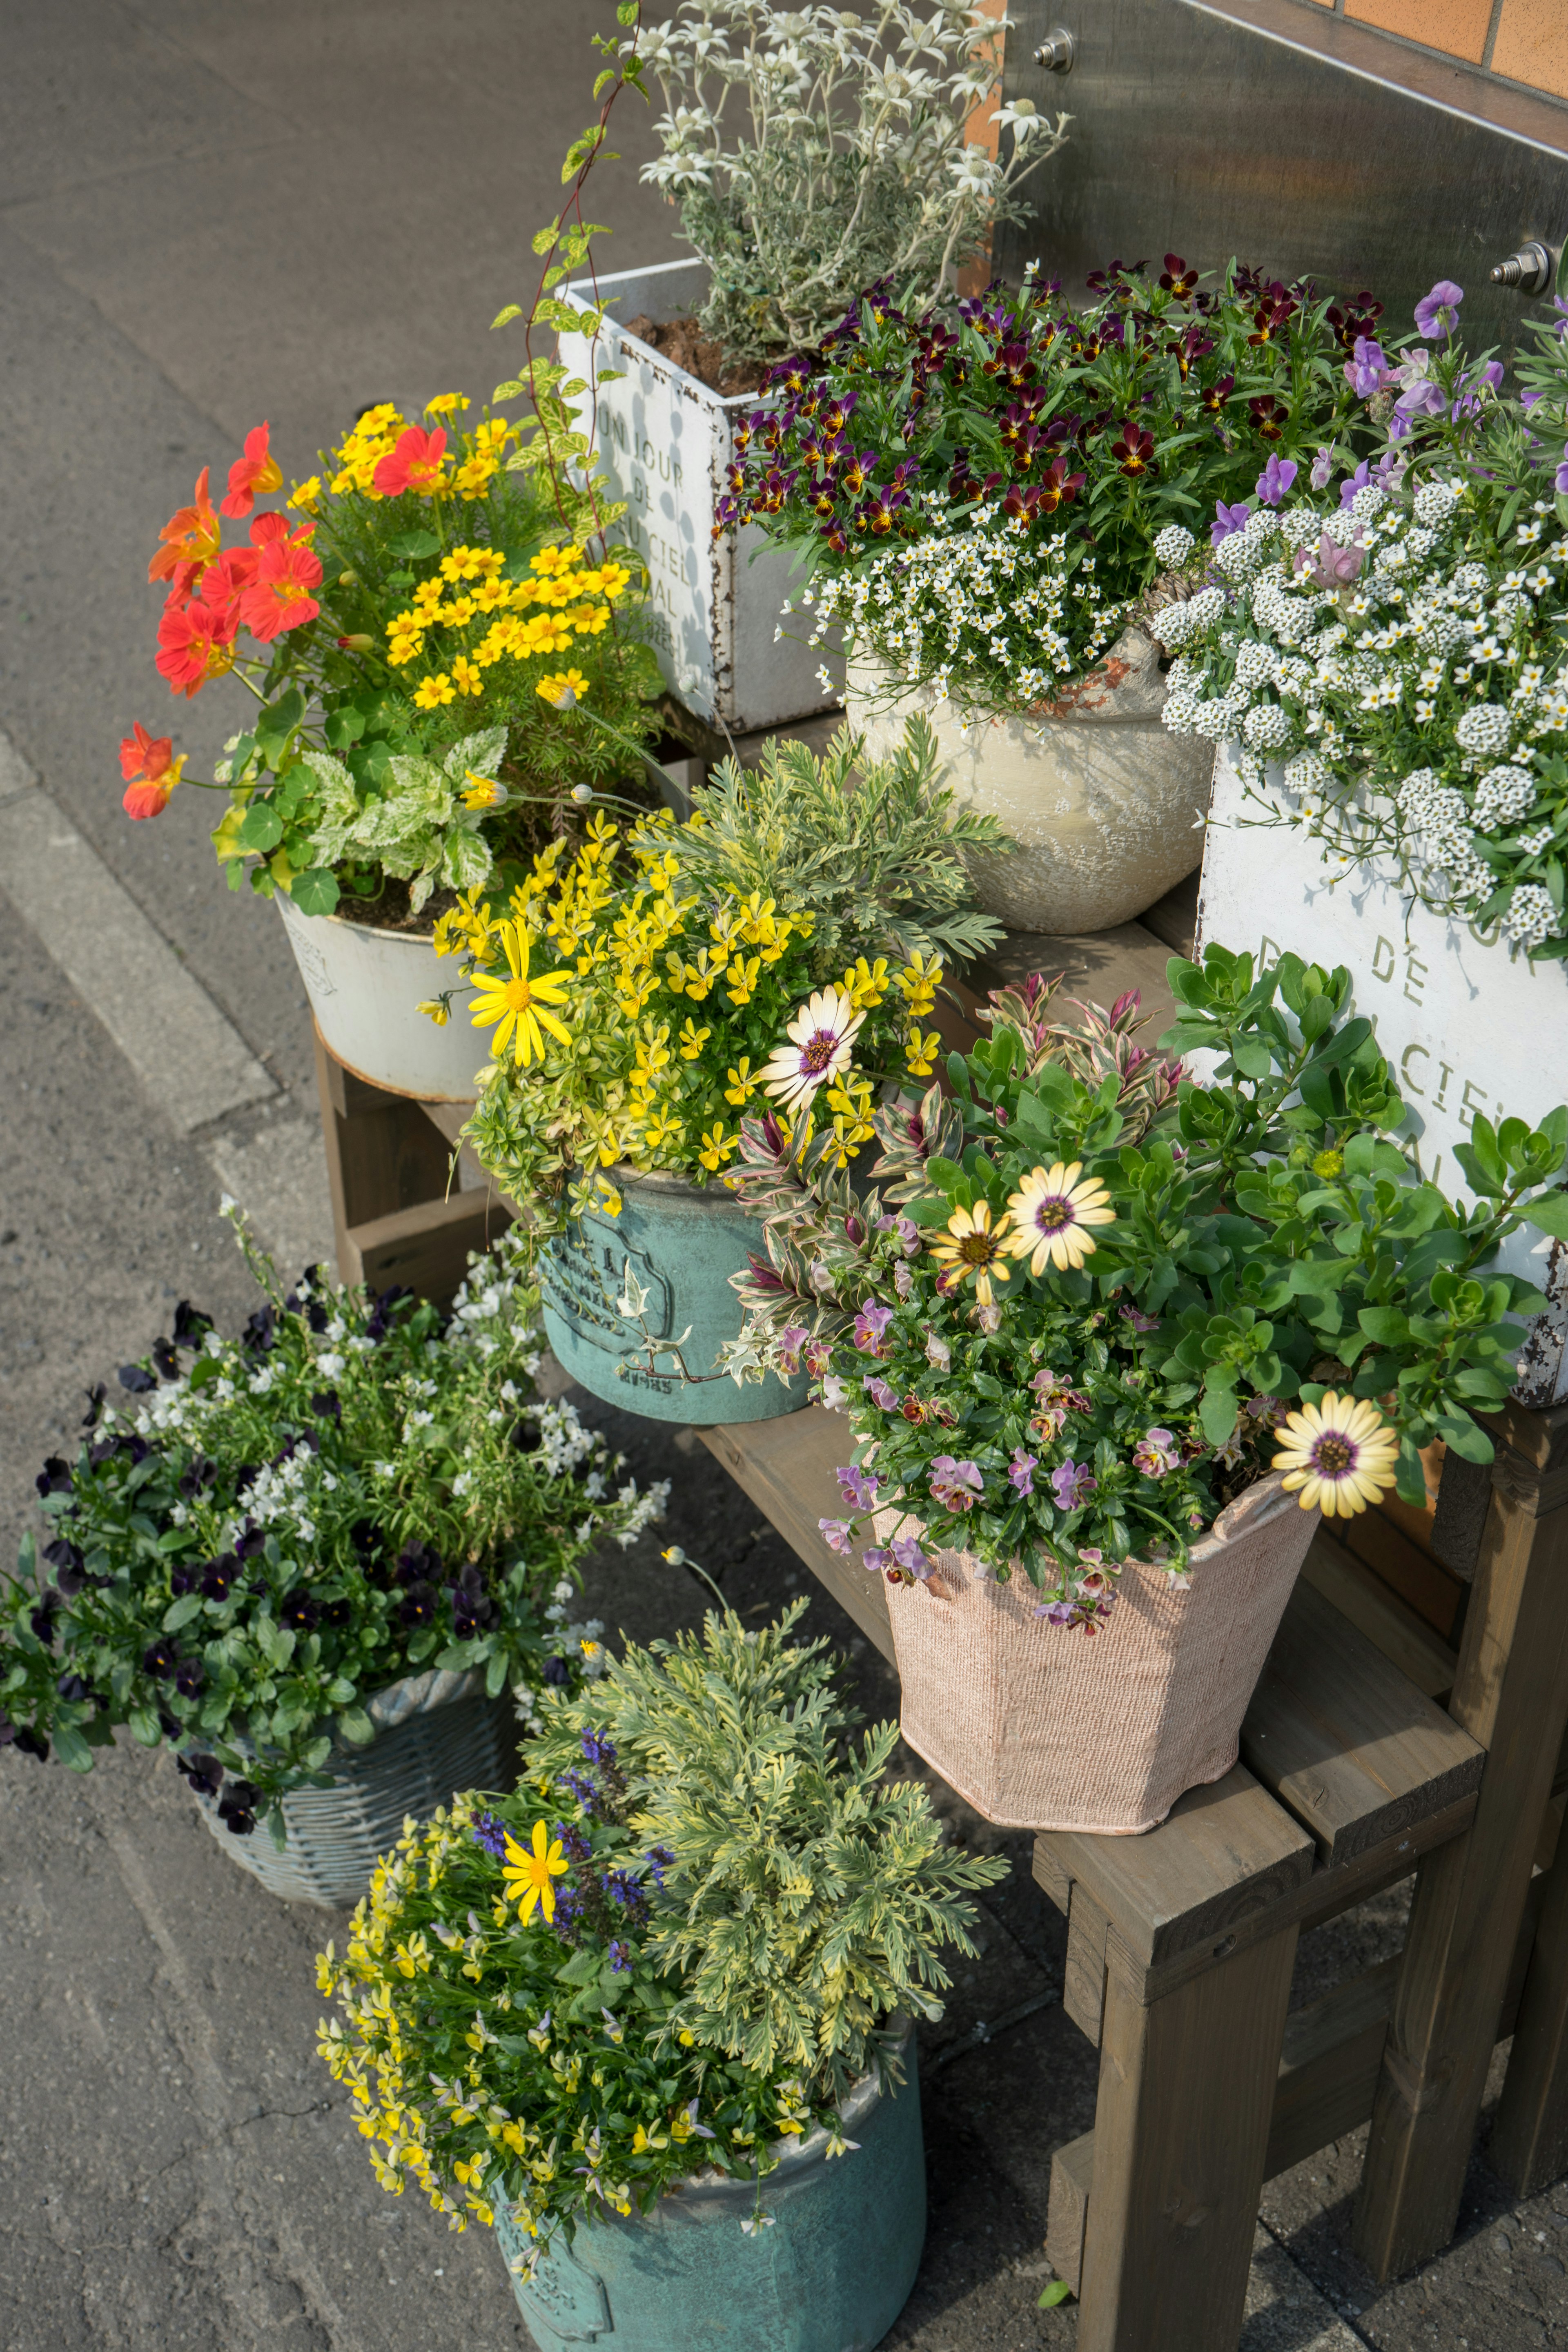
x: 1042, y: 1729
x: 681, y: 1243
x: 1102, y: 803
x: 831, y: 2274
x: 365, y: 988
x: 436, y: 1733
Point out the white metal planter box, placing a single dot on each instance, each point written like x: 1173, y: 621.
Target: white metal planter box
x: 666, y: 442
x: 1465, y: 1027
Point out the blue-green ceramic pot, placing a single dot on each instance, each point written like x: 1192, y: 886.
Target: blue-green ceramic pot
x: 681, y: 1245
x: 830, y: 2273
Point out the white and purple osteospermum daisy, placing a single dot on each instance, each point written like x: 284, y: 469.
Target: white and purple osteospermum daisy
x: 1339, y: 1455
x: 822, y: 1037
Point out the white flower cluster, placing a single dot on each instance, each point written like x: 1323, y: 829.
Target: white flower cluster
x: 1414, y: 695
x: 988, y: 615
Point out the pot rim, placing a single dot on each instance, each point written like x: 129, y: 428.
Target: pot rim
x: 365, y: 931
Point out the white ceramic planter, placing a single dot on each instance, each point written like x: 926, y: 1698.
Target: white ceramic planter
x: 1467, y: 1027
x: 1103, y: 804
x: 666, y: 442
x: 365, y: 987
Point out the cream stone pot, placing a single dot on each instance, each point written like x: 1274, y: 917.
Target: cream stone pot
x: 365, y: 987
x: 1042, y: 1728
x: 1105, y: 808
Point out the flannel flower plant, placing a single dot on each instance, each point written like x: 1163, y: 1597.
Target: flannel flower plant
x: 673, y: 1949
x: 272, y: 1528
x: 1095, y: 1299
x: 979, y: 491
x: 427, y: 627
x: 1387, y: 659
x: 784, y: 944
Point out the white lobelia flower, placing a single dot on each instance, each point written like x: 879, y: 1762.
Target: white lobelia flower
x: 822, y: 1037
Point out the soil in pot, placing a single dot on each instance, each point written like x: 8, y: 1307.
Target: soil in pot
x: 682, y: 342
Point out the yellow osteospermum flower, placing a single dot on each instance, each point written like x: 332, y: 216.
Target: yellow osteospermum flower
x: 1049, y: 1212
x: 970, y: 1248
x: 528, y: 1873
x: 519, y: 1003
x: 1338, y: 1455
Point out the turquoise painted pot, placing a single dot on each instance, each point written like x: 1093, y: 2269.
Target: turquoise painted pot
x: 830, y: 2274
x: 680, y: 1246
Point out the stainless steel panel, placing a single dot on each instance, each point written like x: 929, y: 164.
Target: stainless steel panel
x: 1209, y: 137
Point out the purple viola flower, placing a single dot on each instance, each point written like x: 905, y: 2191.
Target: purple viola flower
x: 1422, y: 398
x: 1392, y: 468
x: 1021, y: 1471
x: 1275, y: 479
x: 834, y: 1394
x: 876, y: 1559
x: 1562, y: 469
x: 880, y: 1391
x: 835, y: 1533
x: 1334, y: 566
x: 1156, y: 1453
x: 938, y: 1353
x: 870, y: 1324
x: 908, y: 1554
x: 1358, y: 482
x: 1438, y: 313
x: 1056, y: 1613
x: 1366, y: 370
x: 790, y: 1342
x: 1140, y: 1322
x: 909, y: 1234
x: 957, y: 1485
x: 858, y: 1486
x: 1227, y: 520
x: 1323, y: 468
x: 1073, y: 1484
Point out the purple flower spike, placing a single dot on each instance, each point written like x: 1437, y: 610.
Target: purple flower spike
x: 1228, y: 519
x: 1438, y: 313
x: 1275, y: 479
x: 835, y: 1533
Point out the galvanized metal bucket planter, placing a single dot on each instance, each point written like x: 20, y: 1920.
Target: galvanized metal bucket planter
x: 831, y: 2274
x: 1104, y: 806
x: 436, y: 1733
x: 667, y: 443
x: 365, y: 987
x: 679, y: 1246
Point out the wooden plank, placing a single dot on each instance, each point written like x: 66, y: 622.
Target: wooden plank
x: 426, y: 1248
x: 1530, y: 2136
x: 1223, y: 1853
x: 1511, y: 1694
x: 1099, y: 966
x: 382, y: 1154
x: 786, y: 1466
x: 1066, y: 2213
x: 1049, y: 1874
x: 1358, y: 1593
x: 1328, y: 2066
x: 1434, y: 1592
x: 1459, y: 1520
x: 1344, y: 1740
x: 1083, y: 1982
x: 1182, y: 2123
x: 1174, y: 919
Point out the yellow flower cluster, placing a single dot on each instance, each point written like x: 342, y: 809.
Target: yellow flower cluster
x: 474, y: 464
x: 521, y: 620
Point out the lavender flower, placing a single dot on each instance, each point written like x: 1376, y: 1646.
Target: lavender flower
x: 1275, y: 479
x: 858, y: 1486
x: 1438, y: 313
x: 1072, y: 1483
x: 1021, y: 1471
x: 620, y: 1956
x: 487, y: 1832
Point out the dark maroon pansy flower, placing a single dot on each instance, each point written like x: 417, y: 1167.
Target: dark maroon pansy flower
x: 160, y: 1659
x: 298, y: 1610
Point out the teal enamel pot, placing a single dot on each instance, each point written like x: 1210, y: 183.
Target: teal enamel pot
x: 830, y: 2273
x: 678, y: 1245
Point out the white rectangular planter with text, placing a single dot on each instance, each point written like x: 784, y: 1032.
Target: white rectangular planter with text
x: 667, y: 443
x: 1466, y: 1026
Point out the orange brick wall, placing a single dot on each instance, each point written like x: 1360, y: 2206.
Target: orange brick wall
x: 1520, y: 41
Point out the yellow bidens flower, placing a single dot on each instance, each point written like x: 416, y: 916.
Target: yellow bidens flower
x: 970, y: 1250
x: 306, y: 497
x: 447, y: 404
x: 519, y: 1003
x: 1338, y: 1455
x: 434, y: 691
x: 1050, y: 1212
x: 528, y: 1873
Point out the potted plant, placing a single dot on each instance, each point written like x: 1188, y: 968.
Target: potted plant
x: 313, y: 1560
x: 986, y: 496
x: 1112, y: 1326
x: 650, y: 2017
x: 809, y: 154
x: 784, y: 944
x: 421, y: 632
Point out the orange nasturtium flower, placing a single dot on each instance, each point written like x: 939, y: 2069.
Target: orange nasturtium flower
x: 151, y: 771
x: 193, y: 643
x: 254, y: 475
x: 279, y: 596
x: 415, y: 465
x: 188, y: 541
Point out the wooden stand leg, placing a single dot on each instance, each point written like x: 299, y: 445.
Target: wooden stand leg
x: 1186, y: 2094
x: 1529, y: 2141
x: 1511, y: 1693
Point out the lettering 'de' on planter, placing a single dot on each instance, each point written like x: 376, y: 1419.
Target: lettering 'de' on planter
x: 667, y: 443
x: 1466, y: 1027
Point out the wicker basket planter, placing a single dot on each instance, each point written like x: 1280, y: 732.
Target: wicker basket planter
x: 436, y: 1733
x: 1045, y: 1731
x: 831, y: 2274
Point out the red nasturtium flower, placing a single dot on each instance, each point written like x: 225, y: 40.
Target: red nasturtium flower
x: 225, y: 582
x: 195, y: 643
x: 188, y: 541
x: 252, y: 476
x: 414, y: 464
x: 151, y: 771
x: 279, y: 596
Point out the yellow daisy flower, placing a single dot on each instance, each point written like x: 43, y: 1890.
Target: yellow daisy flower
x: 1338, y: 1455
x: 972, y: 1248
x: 528, y: 1874
x: 1049, y: 1213
x: 435, y: 691
x: 519, y: 1003
x: 567, y: 685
